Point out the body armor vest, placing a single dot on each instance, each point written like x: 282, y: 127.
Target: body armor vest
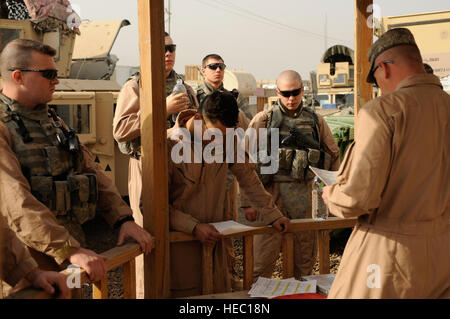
x: 304, y: 150
x: 50, y: 158
x: 133, y: 147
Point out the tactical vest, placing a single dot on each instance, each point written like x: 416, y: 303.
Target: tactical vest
x: 50, y: 158
x: 133, y: 147
x: 294, y: 160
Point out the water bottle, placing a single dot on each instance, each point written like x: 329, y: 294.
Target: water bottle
x: 319, y: 209
x: 178, y: 88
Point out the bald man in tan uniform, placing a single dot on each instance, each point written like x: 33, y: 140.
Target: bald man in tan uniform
x: 395, y: 178
x: 292, y: 195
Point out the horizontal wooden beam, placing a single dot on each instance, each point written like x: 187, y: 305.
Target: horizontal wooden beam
x: 295, y: 226
x: 115, y: 257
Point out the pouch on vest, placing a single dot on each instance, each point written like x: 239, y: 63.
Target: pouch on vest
x: 326, y: 161
x: 313, y: 157
x: 59, y: 161
x: 286, y: 156
x: 80, y: 193
x: 299, y: 165
x: 93, y: 188
x: 62, y: 198
x: 42, y: 189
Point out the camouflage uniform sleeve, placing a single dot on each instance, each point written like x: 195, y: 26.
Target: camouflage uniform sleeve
x: 243, y: 106
x: 255, y: 192
x: 192, y: 96
x: 34, y: 224
x: 17, y: 261
x: 110, y: 203
x: 127, y: 117
x: 328, y: 143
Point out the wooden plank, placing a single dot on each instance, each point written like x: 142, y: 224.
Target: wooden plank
x: 287, y: 249
x: 295, y: 226
x: 242, y: 294
x: 154, y: 150
x: 363, y: 41
x: 323, y: 241
x: 100, y: 289
x: 121, y: 254
x: 129, y: 280
x: 116, y: 257
x: 207, y: 270
x: 177, y: 237
x: 248, y: 262
x: 77, y: 293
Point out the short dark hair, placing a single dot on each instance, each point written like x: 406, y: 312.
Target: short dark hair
x: 211, y: 56
x: 166, y: 34
x: 17, y: 53
x: 220, y: 106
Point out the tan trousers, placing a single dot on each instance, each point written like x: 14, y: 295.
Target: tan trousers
x: 231, y: 209
x: 294, y: 200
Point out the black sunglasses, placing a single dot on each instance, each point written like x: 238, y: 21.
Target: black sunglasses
x: 170, y: 47
x: 384, y: 62
x: 290, y: 93
x: 214, y: 66
x: 50, y: 74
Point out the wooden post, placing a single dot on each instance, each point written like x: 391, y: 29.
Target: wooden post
x: 77, y: 293
x: 207, y: 270
x: 248, y: 262
x: 100, y: 289
x: 129, y: 280
x: 363, y: 41
x: 287, y: 249
x: 154, y: 148
x: 323, y: 241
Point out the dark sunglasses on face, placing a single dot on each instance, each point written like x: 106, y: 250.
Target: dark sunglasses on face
x: 170, y: 47
x: 214, y: 66
x: 290, y: 93
x: 50, y: 74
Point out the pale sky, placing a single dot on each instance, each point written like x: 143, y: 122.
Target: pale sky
x: 258, y: 36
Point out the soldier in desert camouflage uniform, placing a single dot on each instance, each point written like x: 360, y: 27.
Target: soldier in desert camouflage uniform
x: 49, y: 182
x: 291, y: 185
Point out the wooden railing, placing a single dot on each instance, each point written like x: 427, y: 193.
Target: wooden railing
x: 125, y: 255
x: 121, y: 255
x: 321, y: 226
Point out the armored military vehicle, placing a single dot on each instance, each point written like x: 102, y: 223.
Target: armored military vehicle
x: 335, y: 77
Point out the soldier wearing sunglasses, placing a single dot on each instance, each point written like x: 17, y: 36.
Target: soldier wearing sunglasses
x: 50, y: 185
x: 126, y: 131
x: 213, y: 71
x: 291, y: 185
